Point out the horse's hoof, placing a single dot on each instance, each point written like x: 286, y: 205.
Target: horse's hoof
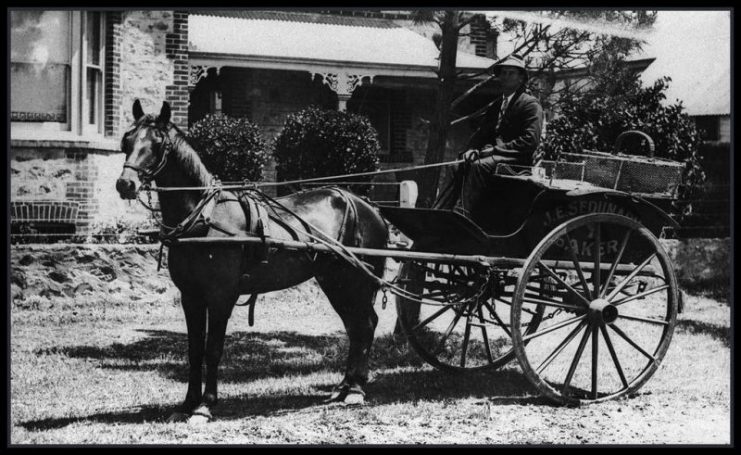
x: 337, y: 395
x: 198, y: 419
x: 177, y: 416
x: 200, y: 415
x: 354, y: 398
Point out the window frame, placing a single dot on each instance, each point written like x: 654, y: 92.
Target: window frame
x: 76, y: 128
x: 97, y: 127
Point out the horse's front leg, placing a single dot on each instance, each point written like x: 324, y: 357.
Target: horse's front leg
x: 194, y: 308
x: 219, y: 309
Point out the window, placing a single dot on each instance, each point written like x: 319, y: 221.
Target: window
x: 389, y: 115
x: 40, y: 66
x: 94, y: 58
x: 379, y: 114
x: 708, y: 127
x: 56, y: 73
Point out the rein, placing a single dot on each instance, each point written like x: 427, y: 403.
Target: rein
x: 252, y: 185
x: 214, y: 189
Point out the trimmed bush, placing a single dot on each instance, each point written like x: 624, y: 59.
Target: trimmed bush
x: 319, y: 143
x: 231, y: 148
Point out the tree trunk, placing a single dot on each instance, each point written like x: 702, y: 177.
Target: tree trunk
x: 441, y: 121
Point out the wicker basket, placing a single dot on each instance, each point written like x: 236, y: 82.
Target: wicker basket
x: 629, y: 173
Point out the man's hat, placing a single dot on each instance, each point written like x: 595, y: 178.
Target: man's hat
x: 513, y: 61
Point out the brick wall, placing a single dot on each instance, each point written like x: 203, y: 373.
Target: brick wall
x: 81, y: 188
x: 113, y: 75
x: 482, y: 38
x: 177, y: 50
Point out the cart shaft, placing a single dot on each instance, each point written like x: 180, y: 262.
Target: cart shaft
x: 396, y: 253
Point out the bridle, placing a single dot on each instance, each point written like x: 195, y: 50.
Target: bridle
x: 146, y: 175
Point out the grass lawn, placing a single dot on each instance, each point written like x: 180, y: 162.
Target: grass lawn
x: 107, y: 369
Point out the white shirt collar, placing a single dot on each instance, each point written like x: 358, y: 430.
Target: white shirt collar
x: 509, y: 98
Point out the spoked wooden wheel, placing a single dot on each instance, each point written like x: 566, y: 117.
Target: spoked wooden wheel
x: 465, y: 329
x: 610, y: 309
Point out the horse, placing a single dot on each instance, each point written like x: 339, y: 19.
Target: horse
x: 212, y: 277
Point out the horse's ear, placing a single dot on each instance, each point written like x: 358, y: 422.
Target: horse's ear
x: 138, y: 111
x: 164, y: 116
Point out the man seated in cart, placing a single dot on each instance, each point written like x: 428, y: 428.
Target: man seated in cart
x: 509, y: 133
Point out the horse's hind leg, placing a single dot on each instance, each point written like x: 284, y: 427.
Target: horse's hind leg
x: 352, y: 295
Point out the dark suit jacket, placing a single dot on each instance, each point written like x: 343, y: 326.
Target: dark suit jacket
x: 520, y: 129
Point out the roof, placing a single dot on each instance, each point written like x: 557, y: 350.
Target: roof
x: 297, y: 40
x: 693, y: 48
x: 300, y: 16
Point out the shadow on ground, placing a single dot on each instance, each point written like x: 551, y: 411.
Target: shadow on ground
x: 508, y: 387
x: 717, y: 332
x: 250, y: 356
x: 247, y: 355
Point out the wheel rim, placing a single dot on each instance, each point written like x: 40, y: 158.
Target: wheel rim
x: 462, y: 333
x: 607, y: 328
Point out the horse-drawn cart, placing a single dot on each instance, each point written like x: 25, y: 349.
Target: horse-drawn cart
x: 569, y: 266
x: 563, y: 258
x: 556, y: 266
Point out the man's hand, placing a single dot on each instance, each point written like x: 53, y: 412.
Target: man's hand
x: 470, y: 155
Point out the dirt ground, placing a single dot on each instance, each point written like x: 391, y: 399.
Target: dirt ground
x: 135, y: 353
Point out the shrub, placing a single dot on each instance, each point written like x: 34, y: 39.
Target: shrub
x: 319, y: 143
x: 231, y: 148
x: 593, y: 119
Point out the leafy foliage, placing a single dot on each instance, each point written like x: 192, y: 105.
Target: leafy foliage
x: 319, y: 143
x: 231, y: 148
x: 548, y: 48
x: 593, y: 118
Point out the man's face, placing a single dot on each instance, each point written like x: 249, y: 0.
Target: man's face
x: 510, y: 78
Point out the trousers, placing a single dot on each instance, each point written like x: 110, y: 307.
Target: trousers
x: 469, y: 181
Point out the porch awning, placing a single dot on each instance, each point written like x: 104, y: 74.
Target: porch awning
x: 300, y: 41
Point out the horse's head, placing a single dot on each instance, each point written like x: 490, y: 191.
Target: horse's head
x: 146, y: 145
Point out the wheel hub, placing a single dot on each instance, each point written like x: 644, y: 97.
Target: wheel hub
x: 602, y: 310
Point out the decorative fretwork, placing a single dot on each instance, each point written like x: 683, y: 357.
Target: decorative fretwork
x: 198, y: 72
x: 342, y: 83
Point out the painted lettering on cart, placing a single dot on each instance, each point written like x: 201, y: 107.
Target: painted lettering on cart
x: 562, y: 213
x: 583, y: 247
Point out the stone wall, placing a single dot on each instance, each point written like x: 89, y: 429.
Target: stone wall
x: 701, y: 263
x: 154, y: 63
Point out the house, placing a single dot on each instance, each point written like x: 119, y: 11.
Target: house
x: 265, y: 65
x: 75, y: 75
x: 73, y: 78
x: 693, y: 48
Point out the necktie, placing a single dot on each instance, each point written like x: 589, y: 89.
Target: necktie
x: 501, y: 112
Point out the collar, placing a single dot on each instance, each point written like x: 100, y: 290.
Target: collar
x: 509, y: 98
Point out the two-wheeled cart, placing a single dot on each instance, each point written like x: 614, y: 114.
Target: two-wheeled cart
x: 563, y: 271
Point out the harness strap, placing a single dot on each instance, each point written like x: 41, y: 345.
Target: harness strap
x: 196, y: 215
x: 350, y: 216
x: 263, y: 221
x: 251, y: 211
